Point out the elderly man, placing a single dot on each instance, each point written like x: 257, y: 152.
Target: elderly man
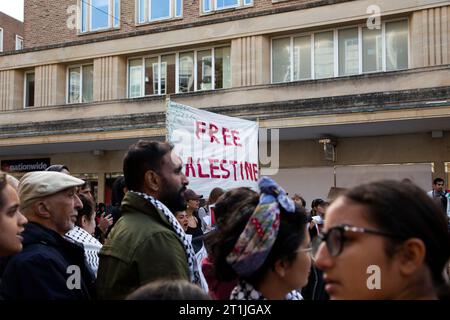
x: 147, y: 243
x: 50, y: 266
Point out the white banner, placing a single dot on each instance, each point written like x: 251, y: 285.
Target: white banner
x: 217, y: 151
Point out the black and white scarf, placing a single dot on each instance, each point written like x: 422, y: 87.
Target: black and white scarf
x: 192, y: 262
x: 245, y: 291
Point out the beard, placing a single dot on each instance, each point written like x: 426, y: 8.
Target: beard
x: 173, y: 199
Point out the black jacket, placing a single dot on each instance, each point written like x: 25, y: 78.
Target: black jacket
x: 41, y: 270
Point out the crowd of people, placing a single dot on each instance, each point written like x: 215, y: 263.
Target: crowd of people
x: 381, y: 240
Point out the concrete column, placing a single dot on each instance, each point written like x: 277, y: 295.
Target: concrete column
x: 110, y: 78
x: 11, y: 90
x: 250, y: 61
x: 101, y: 187
x: 50, y: 85
x: 430, y: 37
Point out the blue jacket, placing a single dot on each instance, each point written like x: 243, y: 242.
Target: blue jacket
x: 41, y: 270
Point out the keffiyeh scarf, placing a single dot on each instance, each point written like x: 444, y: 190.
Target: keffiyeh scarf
x: 245, y: 291
x: 192, y: 262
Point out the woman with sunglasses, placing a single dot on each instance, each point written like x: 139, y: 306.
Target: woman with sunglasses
x: 384, y: 240
x: 265, y: 244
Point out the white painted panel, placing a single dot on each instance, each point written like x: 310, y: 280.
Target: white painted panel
x: 350, y: 176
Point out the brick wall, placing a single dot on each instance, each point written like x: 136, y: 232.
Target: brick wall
x: 11, y: 27
x: 46, y: 20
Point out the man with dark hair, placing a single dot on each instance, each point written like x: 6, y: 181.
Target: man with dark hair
x: 438, y: 193
x: 147, y: 243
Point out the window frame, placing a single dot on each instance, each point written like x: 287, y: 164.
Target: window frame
x: 111, y: 16
x: 1, y: 39
x: 147, y: 12
x: 336, y: 50
x: 213, y: 6
x: 19, y: 38
x: 25, y: 88
x: 80, y: 99
x: 177, y: 70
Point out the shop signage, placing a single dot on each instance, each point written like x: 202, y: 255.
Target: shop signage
x: 25, y: 165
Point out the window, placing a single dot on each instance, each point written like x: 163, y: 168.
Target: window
x: 29, y: 89
x: 154, y: 10
x: 302, y: 58
x: 222, y: 68
x: 186, y: 73
x: 213, y: 70
x: 341, y: 52
x: 397, y: 45
x: 323, y: 55
x: 213, y: 5
x: 281, y: 60
x: 80, y: 84
x: 19, y: 42
x: 1, y: 39
x: 348, y: 52
x: 372, y: 50
x: 99, y: 14
x: 180, y: 72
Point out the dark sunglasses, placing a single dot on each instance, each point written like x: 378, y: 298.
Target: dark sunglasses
x: 335, y: 237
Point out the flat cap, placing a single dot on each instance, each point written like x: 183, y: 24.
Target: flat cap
x: 38, y: 184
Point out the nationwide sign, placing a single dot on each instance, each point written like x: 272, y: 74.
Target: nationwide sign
x: 217, y: 151
x: 25, y: 165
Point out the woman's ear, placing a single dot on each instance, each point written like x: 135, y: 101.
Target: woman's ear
x: 152, y: 181
x: 411, y: 256
x: 280, y: 268
x: 84, y: 221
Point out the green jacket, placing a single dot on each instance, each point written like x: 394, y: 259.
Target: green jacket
x: 141, y: 247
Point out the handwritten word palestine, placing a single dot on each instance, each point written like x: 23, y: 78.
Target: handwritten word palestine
x: 221, y: 169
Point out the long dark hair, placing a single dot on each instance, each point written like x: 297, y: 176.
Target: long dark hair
x: 405, y: 209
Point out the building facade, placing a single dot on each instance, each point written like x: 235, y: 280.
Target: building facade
x: 370, y: 81
x: 11, y: 33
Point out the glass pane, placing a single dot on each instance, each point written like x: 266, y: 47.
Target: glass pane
x: 84, y: 17
x: 204, y: 70
x: 30, y: 90
x: 221, y: 4
x: 323, y: 55
x: 372, y: 59
x: 168, y: 74
x: 348, y: 52
x: 302, y: 58
x: 397, y: 45
x: 186, y: 73
x: 88, y: 83
x: 207, y: 5
x: 178, y: 7
x: 116, y: 13
x: 159, y: 9
x: 222, y: 68
x: 151, y: 76
x: 281, y: 71
x: 142, y: 10
x: 99, y: 14
x: 135, y: 78
x: 74, y: 85
x: 247, y: 2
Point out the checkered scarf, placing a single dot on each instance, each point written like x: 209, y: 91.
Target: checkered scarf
x: 192, y: 262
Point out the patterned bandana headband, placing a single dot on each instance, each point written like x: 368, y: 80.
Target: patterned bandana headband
x: 260, y: 233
